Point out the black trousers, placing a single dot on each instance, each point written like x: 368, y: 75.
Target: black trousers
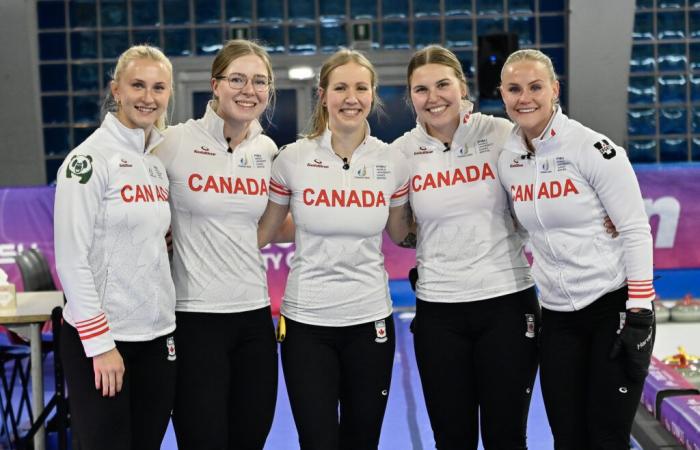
x: 137, y: 417
x: 227, y: 380
x: 478, y: 361
x: 590, y: 401
x: 325, y: 367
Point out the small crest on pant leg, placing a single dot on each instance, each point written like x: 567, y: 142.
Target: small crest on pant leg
x: 530, y: 325
x: 170, y: 344
x: 380, y: 329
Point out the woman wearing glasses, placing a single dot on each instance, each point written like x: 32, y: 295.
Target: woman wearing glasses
x: 219, y: 167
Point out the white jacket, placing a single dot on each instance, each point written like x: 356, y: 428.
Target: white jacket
x: 561, y: 195
x: 468, y: 246
x: 337, y: 275
x: 216, y: 200
x: 110, y: 219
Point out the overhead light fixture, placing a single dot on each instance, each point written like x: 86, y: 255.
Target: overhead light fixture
x: 300, y: 73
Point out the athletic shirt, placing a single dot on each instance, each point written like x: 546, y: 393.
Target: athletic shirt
x: 337, y: 275
x: 110, y: 219
x: 468, y: 248
x: 216, y: 199
x: 561, y: 195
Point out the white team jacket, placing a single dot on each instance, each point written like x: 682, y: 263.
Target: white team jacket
x: 337, y: 275
x: 561, y: 195
x: 110, y: 218
x: 468, y: 247
x: 216, y: 200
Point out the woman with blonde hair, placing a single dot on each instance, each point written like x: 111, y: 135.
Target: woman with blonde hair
x: 343, y: 187
x: 219, y: 169
x: 596, y: 292
x: 111, y: 215
x: 476, y: 309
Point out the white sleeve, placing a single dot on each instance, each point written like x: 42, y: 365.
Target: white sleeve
x: 401, y: 176
x: 280, y: 192
x: 607, y: 168
x: 80, y: 187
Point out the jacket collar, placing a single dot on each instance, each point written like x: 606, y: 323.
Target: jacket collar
x: 464, y: 129
x: 551, y: 134
x: 325, y: 139
x: 132, y: 139
x: 214, y: 125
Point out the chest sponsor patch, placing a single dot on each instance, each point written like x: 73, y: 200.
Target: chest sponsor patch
x: 204, y: 150
x: 423, y: 150
x: 317, y: 163
x: 483, y: 145
x: 259, y: 161
x: 362, y: 173
x: 155, y: 172
x: 381, y: 171
x: 124, y: 163
x: 545, y: 166
x: 561, y: 163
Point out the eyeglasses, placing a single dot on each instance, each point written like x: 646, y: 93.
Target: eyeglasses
x: 237, y: 81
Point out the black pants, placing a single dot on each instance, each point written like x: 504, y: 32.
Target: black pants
x: 478, y: 360
x: 589, y: 400
x: 329, y: 366
x: 226, y: 380
x: 137, y: 417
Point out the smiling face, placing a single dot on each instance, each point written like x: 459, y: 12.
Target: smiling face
x: 529, y: 94
x: 348, y: 97
x: 142, y: 92
x: 436, y: 94
x: 247, y: 103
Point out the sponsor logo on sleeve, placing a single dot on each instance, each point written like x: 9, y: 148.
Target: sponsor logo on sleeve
x: 605, y: 149
x: 80, y: 167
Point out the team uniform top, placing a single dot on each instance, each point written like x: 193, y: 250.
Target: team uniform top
x: 337, y: 275
x: 216, y: 199
x: 561, y: 195
x: 468, y: 248
x: 110, y: 219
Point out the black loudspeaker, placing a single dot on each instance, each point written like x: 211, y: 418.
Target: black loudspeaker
x: 492, y: 53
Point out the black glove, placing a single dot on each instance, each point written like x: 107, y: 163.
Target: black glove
x: 413, y: 278
x: 636, y: 341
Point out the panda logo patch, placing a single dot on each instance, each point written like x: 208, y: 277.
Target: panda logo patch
x: 80, y: 166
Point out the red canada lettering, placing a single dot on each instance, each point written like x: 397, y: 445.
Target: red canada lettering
x: 551, y: 189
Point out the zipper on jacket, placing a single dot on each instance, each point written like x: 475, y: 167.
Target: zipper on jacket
x: 555, y: 257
